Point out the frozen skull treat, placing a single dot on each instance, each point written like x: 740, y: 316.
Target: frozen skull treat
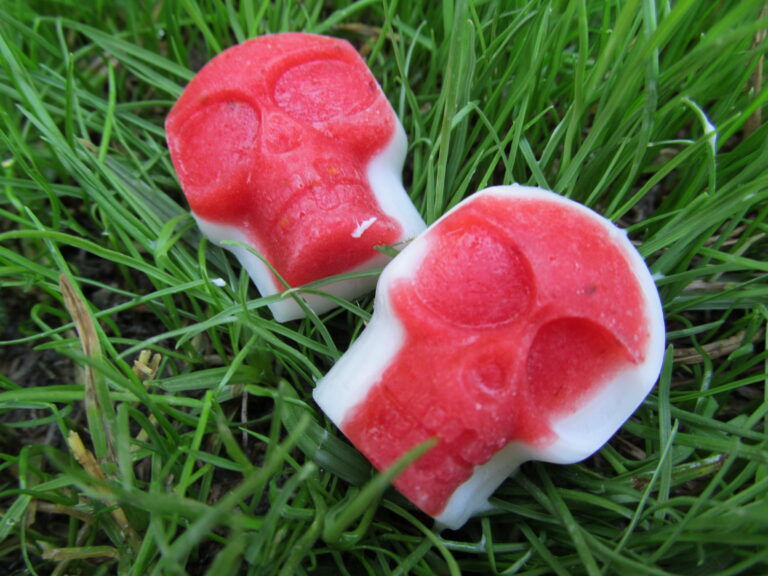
x: 520, y: 326
x: 287, y: 144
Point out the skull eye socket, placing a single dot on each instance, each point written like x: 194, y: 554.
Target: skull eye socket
x: 569, y: 360
x: 214, y: 142
x: 321, y: 90
x: 474, y: 277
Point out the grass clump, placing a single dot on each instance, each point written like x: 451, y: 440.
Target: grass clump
x: 156, y: 420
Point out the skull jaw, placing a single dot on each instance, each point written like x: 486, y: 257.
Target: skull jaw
x: 577, y: 436
x: 332, y: 227
x: 350, y: 380
x: 286, y: 307
x: 574, y: 436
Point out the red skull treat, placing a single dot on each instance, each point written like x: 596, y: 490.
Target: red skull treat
x: 287, y: 144
x: 520, y: 326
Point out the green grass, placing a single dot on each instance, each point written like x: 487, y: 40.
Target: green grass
x: 215, y: 460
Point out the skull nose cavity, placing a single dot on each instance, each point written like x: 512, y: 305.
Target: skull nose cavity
x: 487, y: 374
x: 473, y: 276
x: 281, y: 134
x: 320, y: 90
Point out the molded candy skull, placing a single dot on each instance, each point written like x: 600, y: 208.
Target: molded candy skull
x: 520, y: 326
x: 287, y: 143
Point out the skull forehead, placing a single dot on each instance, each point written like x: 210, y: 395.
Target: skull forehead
x: 583, y: 268
x: 298, y: 88
x: 566, y: 245
x: 320, y: 90
x: 532, y: 261
x: 254, y: 68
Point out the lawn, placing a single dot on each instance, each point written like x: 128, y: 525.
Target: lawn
x: 155, y: 419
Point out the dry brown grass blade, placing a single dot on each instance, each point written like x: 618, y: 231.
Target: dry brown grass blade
x: 89, y: 340
x: 146, y: 365
x: 88, y: 461
x: 87, y: 553
x: 712, y: 350
x: 80, y: 316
